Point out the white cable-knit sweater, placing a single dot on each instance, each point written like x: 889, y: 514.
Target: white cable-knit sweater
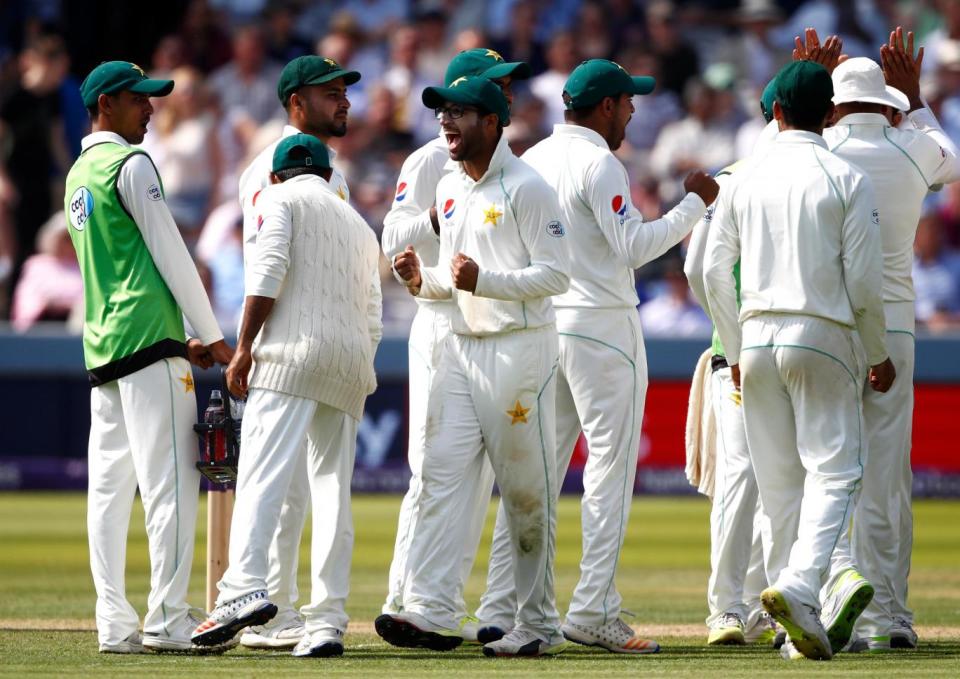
x: 318, y: 258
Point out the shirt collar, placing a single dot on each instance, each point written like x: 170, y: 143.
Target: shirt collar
x: 799, y: 137
x: 501, y: 155
x: 864, y: 119
x: 580, y: 132
x: 304, y: 178
x: 104, y: 137
x: 289, y: 130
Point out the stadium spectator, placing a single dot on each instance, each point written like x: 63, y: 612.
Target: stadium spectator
x: 521, y: 43
x: 283, y: 42
x: 679, y: 61
x: 247, y: 85
x: 562, y: 57
x: 50, y: 286
x: 936, y: 278
x: 672, y: 312
x: 207, y: 42
x: 184, y: 147
x: 704, y: 138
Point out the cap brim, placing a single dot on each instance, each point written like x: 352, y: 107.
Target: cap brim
x: 643, y: 84
x: 151, y: 87
x: 434, y: 97
x: 518, y: 70
x: 349, y: 77
x: 892, y: 97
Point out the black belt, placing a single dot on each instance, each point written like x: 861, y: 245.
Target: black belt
x: 718, y: 362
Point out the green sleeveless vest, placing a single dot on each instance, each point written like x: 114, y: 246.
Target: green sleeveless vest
x: 717, y: 346
x: 131, y: 318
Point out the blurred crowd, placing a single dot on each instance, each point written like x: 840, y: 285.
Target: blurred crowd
x: 711, y: 60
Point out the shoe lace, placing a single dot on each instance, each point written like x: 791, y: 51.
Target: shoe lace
x: 730, y: 620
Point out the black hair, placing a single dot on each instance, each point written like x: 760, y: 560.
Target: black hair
x: 93, y: 112
x: 809, y: 118
x: 292, y: 172
x: 581, y: 113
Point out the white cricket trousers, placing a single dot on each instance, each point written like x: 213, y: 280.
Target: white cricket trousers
x: 494, y: 393
x: 284, y: 554
x: 430, y: 327
x: 601, y: 387
x: 141, y: 434
x: 737, y: 575
x: 274, y: 428
x: 883, y: 518
x: 802, y: 398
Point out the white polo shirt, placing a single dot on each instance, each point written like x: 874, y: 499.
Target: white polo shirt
x: 509, y: 222
x: 608, y: 237
x: 903, y: 164
x: 806, y: 224
x: 257, y: 177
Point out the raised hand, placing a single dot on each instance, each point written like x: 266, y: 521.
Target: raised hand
x: 828, y: 55
x: 703, y: 185
x: 900, y: 68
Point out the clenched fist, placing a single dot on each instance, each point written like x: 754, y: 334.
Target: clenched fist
x: 407, y: 266
x: 464, y: 272
x: 703, y: 185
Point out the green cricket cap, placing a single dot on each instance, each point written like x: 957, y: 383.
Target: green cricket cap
x: 767, y: 98
x: 300, y: 150
x: 486, y: 63
x: 471, y: 91
x: 595, y: 79
x: 804, y: 86
x: 111, y: 77
x: 311, y: 70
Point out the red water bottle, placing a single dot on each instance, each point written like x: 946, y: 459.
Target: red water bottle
x: 215, y: 442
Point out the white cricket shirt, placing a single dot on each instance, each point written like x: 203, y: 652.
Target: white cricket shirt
x: 509, y: 222
x: 903, y: 164
x: 607, y: 235
x: 804, y: 225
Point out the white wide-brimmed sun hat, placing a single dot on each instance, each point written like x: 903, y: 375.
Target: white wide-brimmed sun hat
x: 861, y: 79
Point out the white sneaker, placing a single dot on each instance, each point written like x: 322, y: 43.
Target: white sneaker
x: 520, y: 643
x: 325, y: 643
x: 789, y: 652
x: 132, y: 644
x: 179, y: 641
x: 902, y: 634
x: 846, y: 601
x: 616, y: 636
x: 284, y: 631
x: 226, y: 620
x: 411, y: 630
x: 727, y: 630
x: 869, y: 645
x: 801, y: 621
x: 765, y: 630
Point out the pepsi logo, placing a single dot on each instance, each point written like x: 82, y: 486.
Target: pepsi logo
x: 401, y: 192
x: 448, y: 208
x: 259, y: 221
x: 619, y: 205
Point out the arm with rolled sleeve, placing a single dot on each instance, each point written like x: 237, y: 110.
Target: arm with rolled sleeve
x: 272, y: 260
x: 160, y: 234
x: 408, y: 222
x: 548, y: 273
x: 720, y: 287
x: 863, y: 269
x: 636, y: 242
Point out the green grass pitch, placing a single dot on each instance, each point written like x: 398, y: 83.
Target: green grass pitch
x: 46, y: 601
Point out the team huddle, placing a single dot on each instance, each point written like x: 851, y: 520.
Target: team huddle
x: 526, y: 336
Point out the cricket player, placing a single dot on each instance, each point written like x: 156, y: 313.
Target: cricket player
x: 502, y: 255
x: 737, y: 575
x: 413, y: 220
x: 600, y: 334
x: 138, y: 282
x: 313, y: 91
x: 311, y: 323
x: 903, y: 164
x: 805, y: 224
